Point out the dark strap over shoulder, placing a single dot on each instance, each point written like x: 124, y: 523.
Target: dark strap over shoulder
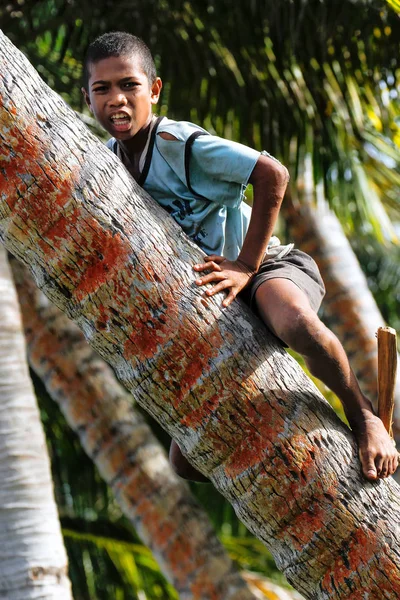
x: 149, y: 154
x: 188, y: 152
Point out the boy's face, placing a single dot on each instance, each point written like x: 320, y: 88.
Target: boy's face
x: 120, y: 95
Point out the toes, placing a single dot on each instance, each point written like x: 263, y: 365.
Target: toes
x: 371, y: 473
x: 394, y: 464
x: 368, y: 467
x: 386, y: 466
x: 381, y: 466
x: 378, y: 464
x: 384, y: 470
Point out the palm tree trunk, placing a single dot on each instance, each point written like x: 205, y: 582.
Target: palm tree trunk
x: 33, y: 561
x: 242, y: 410
x: 349, y: 307
x: 128, y: 456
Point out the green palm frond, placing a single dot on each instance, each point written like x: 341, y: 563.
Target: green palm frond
x: 79, y: 491
x: 261, y: 73
x: 309, y: 81
x: 106, y: 557
x: 382, y: 269
x: 394, y: 4
x: 251, y: 554
x: 124, y: 565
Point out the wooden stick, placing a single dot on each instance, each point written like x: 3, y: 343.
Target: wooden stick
x: 387, y: 368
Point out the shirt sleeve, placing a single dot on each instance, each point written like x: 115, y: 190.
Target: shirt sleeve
x: 218, y: 168
x: 111, y: 145
x: 222, y: 159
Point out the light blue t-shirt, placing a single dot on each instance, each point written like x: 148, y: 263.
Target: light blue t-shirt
x: 213, y: 214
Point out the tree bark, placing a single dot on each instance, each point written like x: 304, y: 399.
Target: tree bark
x: 242, y: 410
x: 349, y: 307
x: 33, y: 562
x: 127, y: 454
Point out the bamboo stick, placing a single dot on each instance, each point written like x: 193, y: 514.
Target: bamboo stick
x: 387, y: 369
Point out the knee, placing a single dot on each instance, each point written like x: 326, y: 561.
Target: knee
x: 177, y: 461
x: 181, y: 465
x: 301, y: 329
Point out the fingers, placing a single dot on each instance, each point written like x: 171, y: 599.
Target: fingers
x: 395, y: 464
x: 229, y: 299
x: 210, y: 278
x: 215, y: 258
x: 220, y: 284
x: 211, y: 262
x: 219, y: 287
x: 208, y: 266
x: 224, y: 274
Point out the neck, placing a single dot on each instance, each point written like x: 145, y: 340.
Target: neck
x: 136, y: 144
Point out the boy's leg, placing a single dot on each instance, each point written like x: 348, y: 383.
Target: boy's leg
x: 181, y: 465
x: 286, y: 311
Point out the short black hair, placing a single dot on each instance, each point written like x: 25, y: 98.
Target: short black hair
x: 119, y: 43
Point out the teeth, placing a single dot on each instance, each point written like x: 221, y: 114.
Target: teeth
x: 120, y: 117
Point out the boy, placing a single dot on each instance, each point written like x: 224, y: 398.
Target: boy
x: 200, y: 180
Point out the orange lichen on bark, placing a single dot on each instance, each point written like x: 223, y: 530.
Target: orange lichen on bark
x: 260, y: 425
x: 46, y: 206
x: 52, y: 191
x: 178, y: 372
x: 307, y: 523
x: 110, y: 253
x: 198, y: 588
x: 359, y: 554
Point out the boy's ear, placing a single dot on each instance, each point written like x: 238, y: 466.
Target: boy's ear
x: 87, y: 99
x: 156, y: 90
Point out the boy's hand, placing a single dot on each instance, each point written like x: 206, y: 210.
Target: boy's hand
x: 232, y: 276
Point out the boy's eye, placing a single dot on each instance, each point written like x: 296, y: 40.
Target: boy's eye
x: 129, y: 84
x: 101, y: 88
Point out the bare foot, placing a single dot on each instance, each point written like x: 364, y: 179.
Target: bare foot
x: 378, y: 454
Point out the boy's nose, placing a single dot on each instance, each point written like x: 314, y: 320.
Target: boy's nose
x: 118, y: 100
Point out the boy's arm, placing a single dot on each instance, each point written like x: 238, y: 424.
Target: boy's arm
x: 269, y: 179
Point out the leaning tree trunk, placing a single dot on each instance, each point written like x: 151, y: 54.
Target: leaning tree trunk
x: 33, y: 561
x: 349, y: 307
x: 128, y: 456
x: 242, y: 410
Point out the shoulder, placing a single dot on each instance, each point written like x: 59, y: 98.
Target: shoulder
x: 178, y: 130
x: 111, y: 145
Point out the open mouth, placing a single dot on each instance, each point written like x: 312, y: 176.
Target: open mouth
x: 121, y: 121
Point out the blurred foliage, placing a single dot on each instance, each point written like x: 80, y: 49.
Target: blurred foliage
x: 383, y: 273
x: 308, y: 80
x: 107, y: 559
x: 109, y: 566
x: 394, y: 4
x: 296, y: 77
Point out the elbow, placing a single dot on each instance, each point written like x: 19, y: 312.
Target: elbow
x: 269, y: 171
x: 276, y: 179
x: 278, y: 172
x: 282, y: 176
